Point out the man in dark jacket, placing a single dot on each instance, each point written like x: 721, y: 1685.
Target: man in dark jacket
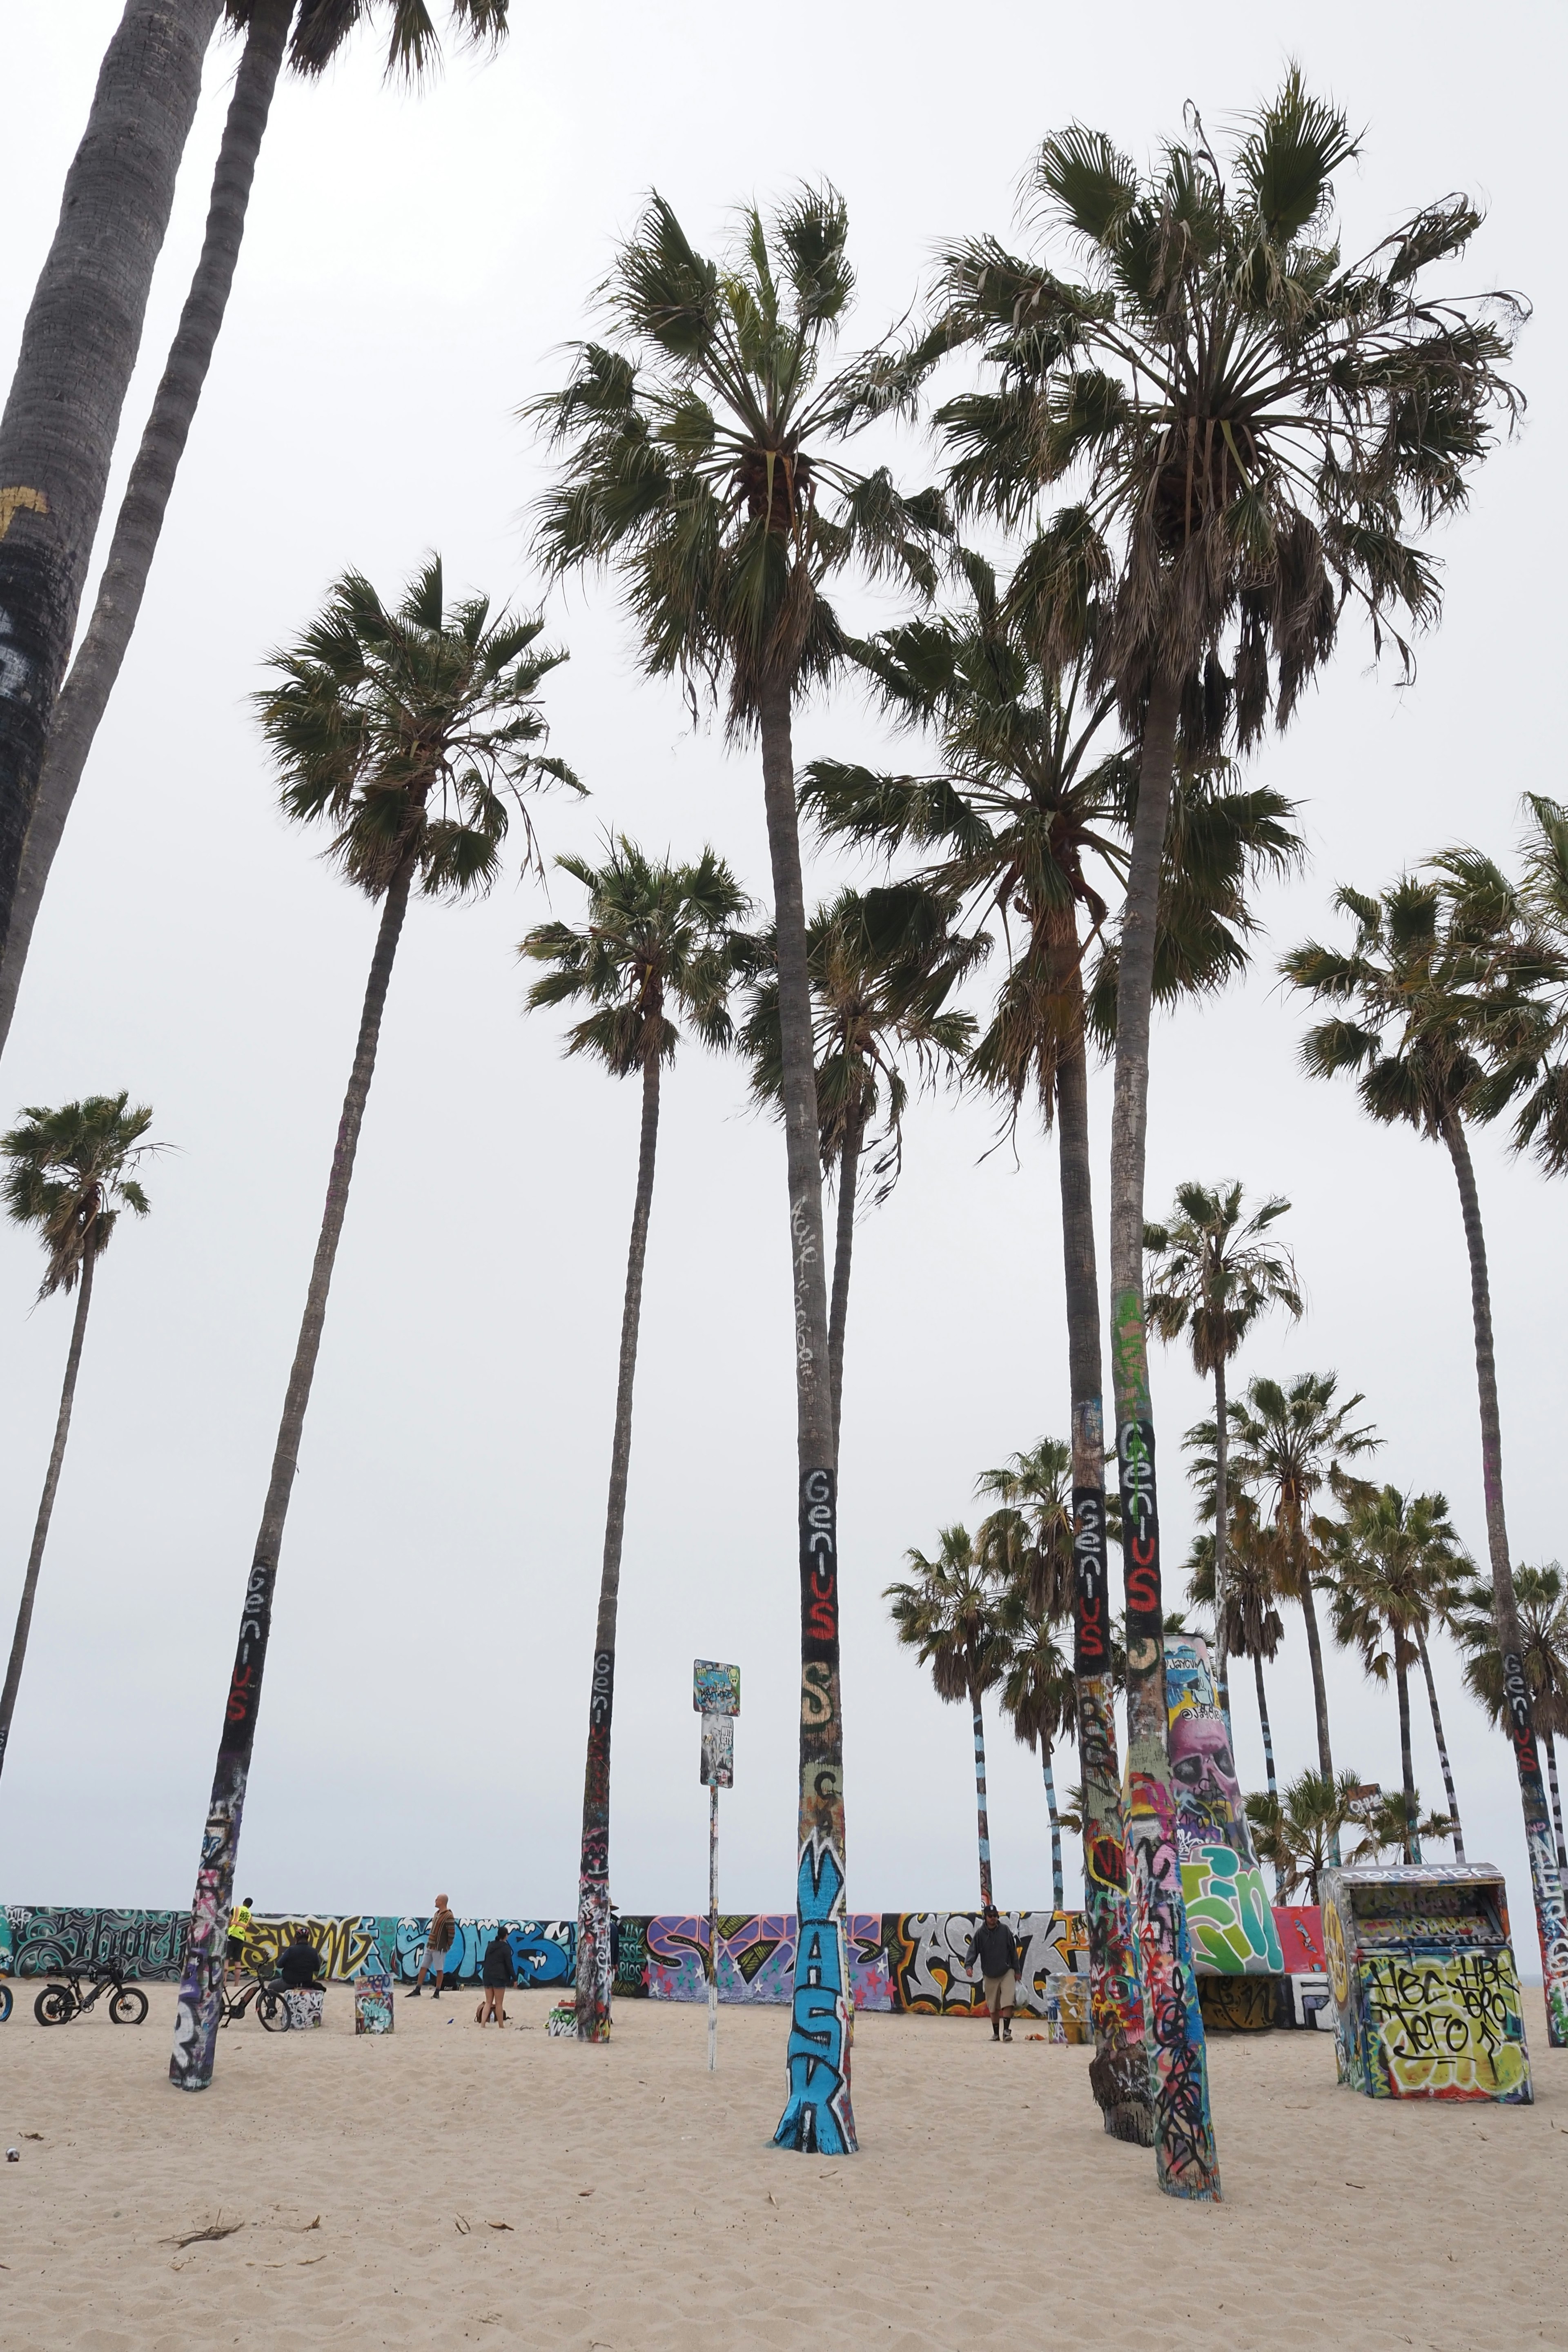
x: 996, y: 1946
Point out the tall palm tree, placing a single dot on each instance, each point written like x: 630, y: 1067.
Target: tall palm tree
x: 883, y: 964
x: 701, y: 461
x: 948, y: 1614
x: 413, y: 732
x: 1039, y: 1689
x: 1290, y: 1445
x: 1437, y: 979
x: 1394, y: 1560
x: 1216, y: 1272
x: 1027, y: 823
x: 655, y: 937
x: 79, y: 342
x: 1246, y: 1623
x: 1542, y: 1597
x: 1528, y: 1058
x: 1258, y: 433
x: 319, y: 28
x: 68, y: 1174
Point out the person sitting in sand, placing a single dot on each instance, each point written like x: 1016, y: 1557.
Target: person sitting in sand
x: 439, y: 1938
x: 497, y: 1970
x: 299, y: 1969
x: 996, y: 1946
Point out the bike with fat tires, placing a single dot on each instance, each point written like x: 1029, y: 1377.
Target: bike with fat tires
x: 59, y: 2003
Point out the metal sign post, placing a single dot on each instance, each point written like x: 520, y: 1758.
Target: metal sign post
x: 715, y: 1696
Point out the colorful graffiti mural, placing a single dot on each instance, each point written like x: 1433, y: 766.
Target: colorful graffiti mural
x: 925, y: 1959
x: 1229, y: 1916
x: 1427, y: 1999
x: 38, y: 1940
x: 44, y: 1941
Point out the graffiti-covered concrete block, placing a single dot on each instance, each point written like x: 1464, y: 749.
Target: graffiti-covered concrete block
x: 306, y: 2010
x: 1236, y: 2004
x: 1426, y: 2001
x: 375, y: 2008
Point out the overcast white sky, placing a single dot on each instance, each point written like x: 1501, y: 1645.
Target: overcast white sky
x: 412, y: 270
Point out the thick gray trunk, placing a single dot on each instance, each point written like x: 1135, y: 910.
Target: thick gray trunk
x: 201, y: 1987
x: 1118, y: 2075
x: 817, y: 2117
x: 78, y: 347
x: 1185, y: 2160
x: 85, y: 694
x: 843, y: 1254
x: 1442, y: 1748
x: 594, y: 1971
x: 46, y: 1501
x: 1546, y: 1884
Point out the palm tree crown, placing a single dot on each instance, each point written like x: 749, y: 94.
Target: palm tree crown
x: 322, y: 26
x: 68, y: 1175
x: 1215, y: 1272
x: 947, y: 1613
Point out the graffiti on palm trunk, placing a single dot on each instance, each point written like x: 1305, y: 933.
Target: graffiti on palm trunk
x: 1229, y: 1918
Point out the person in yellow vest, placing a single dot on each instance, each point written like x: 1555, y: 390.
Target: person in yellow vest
x: 238, y: 1930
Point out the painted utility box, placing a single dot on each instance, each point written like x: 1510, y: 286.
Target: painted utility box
x: 373, y: 2010
x: 1426, y: 2002
x: 1229, y: 1918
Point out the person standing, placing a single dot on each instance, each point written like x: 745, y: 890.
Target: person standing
x: 996, y: 1946
x: 238, y: 1928
x: 439, y: 1940
x: 497, y: 1971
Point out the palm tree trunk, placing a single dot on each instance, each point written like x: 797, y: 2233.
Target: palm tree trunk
x: 817, y: 2117
x: 1119, y: 2073
x: 1315, y: 1655
x: 201, y: 1987
x: 1406, y: 1761
x: 843, y: 1252
x: 86, y: 692
x: 78, y: 346
x: 1545, y: 1880
x: 1442, y: 1748
x: 1221, y: 1530
x: 982, y: 1817
x: 1184, y: 2154
x: 1268, y: 1731
x: 1059, y: 1896
x: 594, y: 1974
x: 46, y: 1501
x: 1556, y: 1803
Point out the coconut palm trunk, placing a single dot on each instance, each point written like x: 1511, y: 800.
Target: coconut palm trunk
x: 818, y: 2116
x: 85, y: 694
x: 78, y: 347
x: 594, y: 1973
x: 1406, y: 1760
x: 1264, y: 1724
x: 200, y: 1986
x: 1437, y: 1735
x: 1186, y: 2157
x: 982, y: 1811
x: 843, y: 1254
x: 1314, y: 1645
x: 46, y: 1501
x: 1119, y: 2073
x: 1545, y: 1878
x: 1058, y: 1894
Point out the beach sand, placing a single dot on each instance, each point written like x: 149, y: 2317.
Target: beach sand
x: 361, y: 2183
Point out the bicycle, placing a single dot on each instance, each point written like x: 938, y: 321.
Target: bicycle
x: 270, y: 2005
x: 5, y: 2000
x: 59, y: 2003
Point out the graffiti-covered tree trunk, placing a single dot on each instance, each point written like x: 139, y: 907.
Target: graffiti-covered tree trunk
x: 200, y: 1986
x: 1119, y: 2073
x: 1406, y: 1758
x: 1058, y: 1897
x: 78, y: 346
x: 818, y: 2116
x: 982, y: 1811
x: 595, y: 1972
x: 1556, y: 1803
x: 1263, y: 1723
x: 1545, y: 1879
x: 85, y: 694
x: 1437, y: 1735
x: 1186, y: 2159
x: 1221, y: 1528
x: 843, y: 1255
x: 46, y: 1501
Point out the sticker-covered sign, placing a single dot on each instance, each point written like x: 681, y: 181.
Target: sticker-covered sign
x: 715, y: 1689
x: 717, y: 1751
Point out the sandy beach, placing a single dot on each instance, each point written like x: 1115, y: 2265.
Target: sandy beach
x: 446, y: 2185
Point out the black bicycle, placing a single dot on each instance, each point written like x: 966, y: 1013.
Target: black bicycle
x: 270, y: 2005
x: 59, y: 2003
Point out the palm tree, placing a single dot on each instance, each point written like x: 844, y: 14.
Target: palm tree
x: 69, y: 1176
x: 1388, y: 1825
x: 1027, y: 824
x: 701, y: 463
x: 1215, y: 1272
x: 1437, y: 979
x: 654, y: 936
x: 1395, y: 1558
x: 948, y: 1615
x: 1542, y: 1600
x: 1299, y: 1831
x: 414, y: 733
x: 319, y: 29
x: 79, y: 342
x: 1527, y: 1059
x: 1040, y: 1690
x: 1255, y: 429
x: 1290, y: 1445
x: 883, y: 964
x: 1247, y: 1624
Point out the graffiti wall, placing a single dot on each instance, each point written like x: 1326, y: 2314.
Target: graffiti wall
x: 1229, y: 1918
x: 37, y: 1940
x: 925, y: 1959
x: 1426, y: 1993
x: 34, y: 1942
